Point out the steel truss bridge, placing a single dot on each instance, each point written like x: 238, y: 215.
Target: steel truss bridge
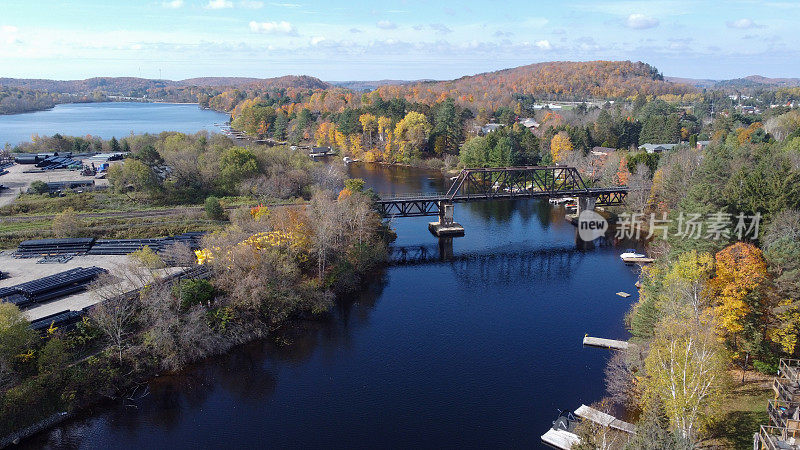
x: 473, y: 185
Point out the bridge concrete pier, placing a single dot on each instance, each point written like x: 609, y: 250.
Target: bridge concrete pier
x: 585, y: 203
x: 446, y: 227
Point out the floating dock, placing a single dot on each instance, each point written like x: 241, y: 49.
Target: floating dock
x: 606, y: 420
x: 638, y: 260
x: 560, y: 439
x: 623, y: 294
x: 605, y: 343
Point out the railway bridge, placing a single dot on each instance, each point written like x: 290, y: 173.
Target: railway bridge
x: 486, y: 184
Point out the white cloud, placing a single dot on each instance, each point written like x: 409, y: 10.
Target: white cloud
x: 316, y: 40
x: 250, y: 4
x: 640, y: 22
x: 174, y: 4
x: 440, y: 28
x: 743, y: 24
x: 286, y: 5
x: 273, y: 28
x: 219, y: 4
x: 544, y: 44
x: 8, y: 34
x: 356, y: 30
x: 386, y: 25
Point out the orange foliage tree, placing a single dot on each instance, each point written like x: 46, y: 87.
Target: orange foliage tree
x: 740, y: 270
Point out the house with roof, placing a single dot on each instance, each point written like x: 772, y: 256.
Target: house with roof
x: 656, y: 148
x: 701, y: 145
x: 602, y: 151
x: 489, y: 127
x: 529, y: 123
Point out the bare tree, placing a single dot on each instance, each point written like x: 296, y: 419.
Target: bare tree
x: 325, y: 220
x: 639, y: 186
x: 174, y: 334
x: 621, y: 372
x: 178, y: 255
x: 118, y: 307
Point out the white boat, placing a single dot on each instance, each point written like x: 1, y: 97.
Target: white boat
x: 558, y: 201
x: 632, y: 253
x: 347, y: 160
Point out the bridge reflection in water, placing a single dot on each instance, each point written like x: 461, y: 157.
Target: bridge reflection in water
x: 493, y: 267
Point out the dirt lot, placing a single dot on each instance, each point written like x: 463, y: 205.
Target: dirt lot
x: 17, y: 180
x: 22, y: 270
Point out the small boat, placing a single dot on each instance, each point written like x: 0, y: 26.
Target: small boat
x: 347, y: 160
x: 631, y: 253
x: 558, y: 201
x: 562, y: 434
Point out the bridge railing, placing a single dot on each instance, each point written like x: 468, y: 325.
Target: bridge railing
x: 410, y: 196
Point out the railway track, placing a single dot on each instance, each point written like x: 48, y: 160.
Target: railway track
x: 126, y: 214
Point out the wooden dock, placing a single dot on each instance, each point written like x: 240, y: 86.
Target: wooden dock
x: 606, y: 420
x: 605, y: 343
x: 560, y: 439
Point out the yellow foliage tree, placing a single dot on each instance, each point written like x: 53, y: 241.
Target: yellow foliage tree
x: 323, y: 134
x: 411, y: 133
x: 687, y: 279
x: 560, y: 145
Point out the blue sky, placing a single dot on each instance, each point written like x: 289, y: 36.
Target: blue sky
x: 411, y: 39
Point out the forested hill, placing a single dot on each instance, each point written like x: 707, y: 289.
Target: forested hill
x: 284, y: 82
x: 752, y: 82
x: 137, y: 87
x: 562, y: 80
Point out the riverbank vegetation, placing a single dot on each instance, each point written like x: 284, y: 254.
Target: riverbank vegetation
x: 720, y: 300
x: 266, y: 269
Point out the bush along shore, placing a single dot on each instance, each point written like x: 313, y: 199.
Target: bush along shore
x: 267, y: 268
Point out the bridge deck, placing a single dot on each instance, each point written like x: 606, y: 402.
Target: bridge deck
x: 502, y: 183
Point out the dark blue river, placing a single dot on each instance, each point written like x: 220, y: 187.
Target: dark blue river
x: 478, y: 351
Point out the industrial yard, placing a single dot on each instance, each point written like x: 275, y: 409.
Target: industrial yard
x: 20, y: 176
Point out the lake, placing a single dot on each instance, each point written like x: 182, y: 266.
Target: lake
x: 106, y: 120
x: 479, y: 348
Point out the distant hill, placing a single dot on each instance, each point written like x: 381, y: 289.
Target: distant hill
x: 700, y: 83
x: 131, y: 86
x: 361, y: 86
x: 750, y: 82
x: 561, y: 80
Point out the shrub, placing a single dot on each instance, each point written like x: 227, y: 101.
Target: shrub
x: 214, y: 208
x: 67, y: 224
x: 765, y: 367
x: 193, y: 292
x: 39, y: 187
